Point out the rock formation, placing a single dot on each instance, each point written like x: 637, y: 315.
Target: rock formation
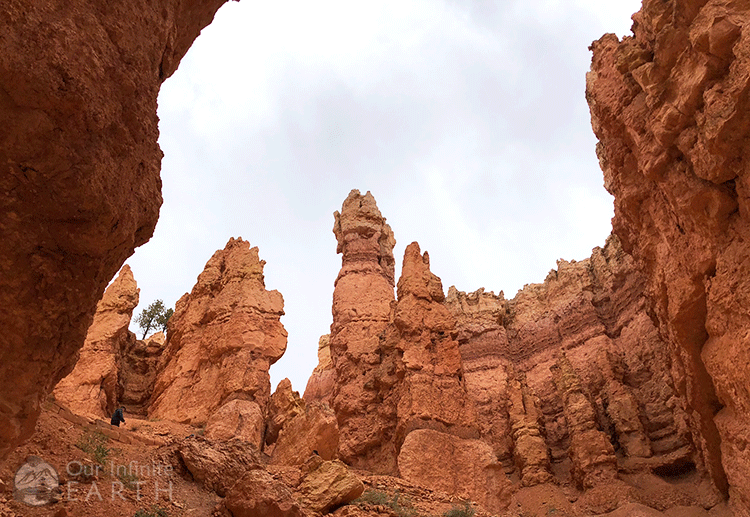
x: 467, y: 468
x: 80, y: 188
x: 92, y: 388
x: 327, y: 485
x: 241, y: 419
x: 670, y: 109
x: 297, y: 429
x: 221, y: 341
x: 592, y: 455
x: 575, y: 356
x: 137, y: 365
x: 431, y: 393
x: 217, y: 465
x: 530, y: 453
x: 284, y: 405
x: 321, y: 381
x: 314, y: 431
x: 361, y: 311
x: 258, y: 493
x: 571, y: 379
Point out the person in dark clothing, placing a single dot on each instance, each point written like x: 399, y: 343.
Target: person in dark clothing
x: 118, y: 416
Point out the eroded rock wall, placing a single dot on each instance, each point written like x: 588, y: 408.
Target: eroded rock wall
x: 80, y: 186
x: 571, y: 379
x: 431, y: 389
x: 221, y: 341
x: 569, y: 367
x: 138, y: 363
x: 669, y: 106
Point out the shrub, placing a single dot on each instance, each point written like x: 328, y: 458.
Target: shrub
x: 128, y: 480
x: 154, y: 511
x: 94, y: 443
x: 460, y: 511
x: 374, y: 497
x: 401, y: 505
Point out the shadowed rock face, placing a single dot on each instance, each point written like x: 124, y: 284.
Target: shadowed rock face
x: 80, y: 185
x: 221, y: 341
x: 670, y: 109
x: 91, y: 389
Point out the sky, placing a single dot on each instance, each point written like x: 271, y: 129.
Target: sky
x: 465, y: 119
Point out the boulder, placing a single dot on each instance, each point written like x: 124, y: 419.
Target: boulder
x: 240, y: 419
x: 312, y: 432
x: 328, y: 485
x: 216, y: 465
x: 466, y: 468
x: 258, y: 494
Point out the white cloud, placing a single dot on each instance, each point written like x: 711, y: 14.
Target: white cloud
x: 467, y: 121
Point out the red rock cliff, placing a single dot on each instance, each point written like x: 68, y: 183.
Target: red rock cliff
x: 80, y: 186
x: 670, y: 108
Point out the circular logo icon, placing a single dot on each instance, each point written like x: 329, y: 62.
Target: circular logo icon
x: 36, y: 482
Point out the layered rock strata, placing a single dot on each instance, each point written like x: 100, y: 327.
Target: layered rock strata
x: 92, y: 388
x: 221, y: 341
x: 669, y: 106
x: 575, y: 356
x: 570, y: 380
x: 80, y: 187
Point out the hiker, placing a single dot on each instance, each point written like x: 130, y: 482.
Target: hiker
x: 118, y: 416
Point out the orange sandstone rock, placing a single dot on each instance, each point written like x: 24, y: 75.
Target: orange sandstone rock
x: 258, y: 494
x: 221, y: 341
x: 327, y: 485
x: 283, y: 406
x: 314, y: 431
x: 670, y: 109
x: 361, y: 311
x: 321, y: 381
x: 137, y: 369
x: 432, y: 393
x: 595, y: 314
x: 467, y: 468
x: 241, y: 419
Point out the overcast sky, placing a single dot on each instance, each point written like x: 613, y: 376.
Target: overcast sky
x: 465, y: 119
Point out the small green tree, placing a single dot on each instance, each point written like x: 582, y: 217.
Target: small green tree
x: 155, y: 316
